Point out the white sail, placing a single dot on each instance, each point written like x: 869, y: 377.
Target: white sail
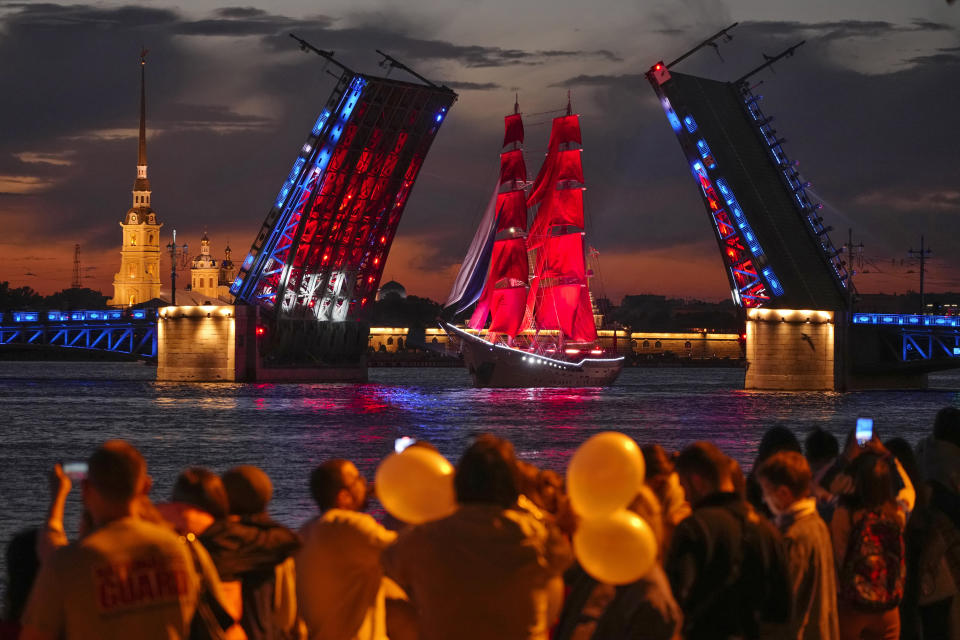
x: 473, y: 270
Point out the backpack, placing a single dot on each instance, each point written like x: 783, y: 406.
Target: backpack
x: 874, y: 567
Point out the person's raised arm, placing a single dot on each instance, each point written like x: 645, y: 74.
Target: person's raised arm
x: 53, y: 535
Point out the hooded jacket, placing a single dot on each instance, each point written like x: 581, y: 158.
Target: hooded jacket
x: 251, y: 550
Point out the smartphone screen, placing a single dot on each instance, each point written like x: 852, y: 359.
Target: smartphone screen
x: 864, y: 431
x: 75, y: 470
x: 402, y: 443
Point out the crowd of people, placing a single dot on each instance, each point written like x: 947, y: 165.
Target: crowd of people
x: 815, y: 542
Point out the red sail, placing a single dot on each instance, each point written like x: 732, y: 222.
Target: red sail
x: 568, y: 165
x: 565, y: 207
x: 479, y: 317
x: 557, y: 307
x: 511, y: 210
x: 513, y: 129
x: 508, y: 306
x: 509, y: 260
x: 584, y: 328
x: 558, y: 166
x: 562, y: 257
x: 512, y: 167
x: 565, y: 129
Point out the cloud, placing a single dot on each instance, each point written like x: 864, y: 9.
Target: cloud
x: 625, y: 80
x: 943, y: 56
x: 939, y: 200
x: 470, y: 86
x: 61, y: 159
x: 23, y: 185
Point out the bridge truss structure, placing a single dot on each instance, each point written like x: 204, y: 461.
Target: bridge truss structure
x: 322, y: 248
x: 775, y: 247
x: 133, y: 334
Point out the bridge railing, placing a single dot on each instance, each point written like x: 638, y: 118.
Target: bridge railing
x: 906, y: 320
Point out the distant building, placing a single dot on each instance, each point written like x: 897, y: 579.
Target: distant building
x: 392, y: 289
x: 204, y: 272
x: 209, y: 280
x: 139, y: 277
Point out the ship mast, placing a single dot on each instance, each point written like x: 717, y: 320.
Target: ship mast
x: 559, y: 298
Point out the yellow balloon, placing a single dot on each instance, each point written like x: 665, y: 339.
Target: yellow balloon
x: 416, y: 486
x: 604, y: 474
x: 619, y: 548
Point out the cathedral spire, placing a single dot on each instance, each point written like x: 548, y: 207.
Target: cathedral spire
x: 141, y: 186
x: 142, y: 157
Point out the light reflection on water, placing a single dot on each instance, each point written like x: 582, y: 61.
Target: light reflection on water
x: 60, y: 411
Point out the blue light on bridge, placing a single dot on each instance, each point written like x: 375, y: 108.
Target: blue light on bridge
x: 690, y: 123
x: 671, y: 115
x: 25, y: 316
x: 725, y: 190
x: 53, y: 316
x: 772, y: 281
x: 909, y: 320
x: 139, y: 314
x: 956, y: 351
x: 322, y: 120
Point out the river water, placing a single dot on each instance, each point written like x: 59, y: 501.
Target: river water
x: 61, y: 411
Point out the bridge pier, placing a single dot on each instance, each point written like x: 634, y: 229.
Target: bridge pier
x: 792, y: 350
x: 227, y: 343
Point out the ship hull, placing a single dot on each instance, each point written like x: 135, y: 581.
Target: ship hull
x: 502, y: 367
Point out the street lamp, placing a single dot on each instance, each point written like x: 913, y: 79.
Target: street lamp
x: 178, y: 259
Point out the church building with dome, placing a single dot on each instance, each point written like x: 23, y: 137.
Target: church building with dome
x: 210, y: 279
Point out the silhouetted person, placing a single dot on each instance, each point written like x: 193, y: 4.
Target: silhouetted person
x: 198, y: 499
x: 339, y: 576
x: 868, y: 545
x: 484, y: 571
x: 934, y: 530
x: 785, y: 480
x: 725, y: 562
x: 821, y: 449
x: 248, y: 546
x: 775, y: 439
x: 22, y: 568
x: 644, y: 608
x: 662, y: 478
x: 128, y: 578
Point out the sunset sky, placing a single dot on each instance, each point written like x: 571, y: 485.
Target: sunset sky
x: 869, y: 106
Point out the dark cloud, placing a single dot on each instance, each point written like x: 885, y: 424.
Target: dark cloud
x: 240, y: 12
x: 625, y: 80
x: 841, y: 29
x: 413, y: 48
x: 470, y: 86
x: 943, y: 56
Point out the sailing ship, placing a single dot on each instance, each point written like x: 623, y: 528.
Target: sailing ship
x: 534, y: 315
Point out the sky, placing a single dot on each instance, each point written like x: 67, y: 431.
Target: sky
x: 868, y: 107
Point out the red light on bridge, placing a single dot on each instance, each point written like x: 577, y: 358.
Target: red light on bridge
x: 261, y: 331
x: 376, y: 261
x: 383, y: 239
